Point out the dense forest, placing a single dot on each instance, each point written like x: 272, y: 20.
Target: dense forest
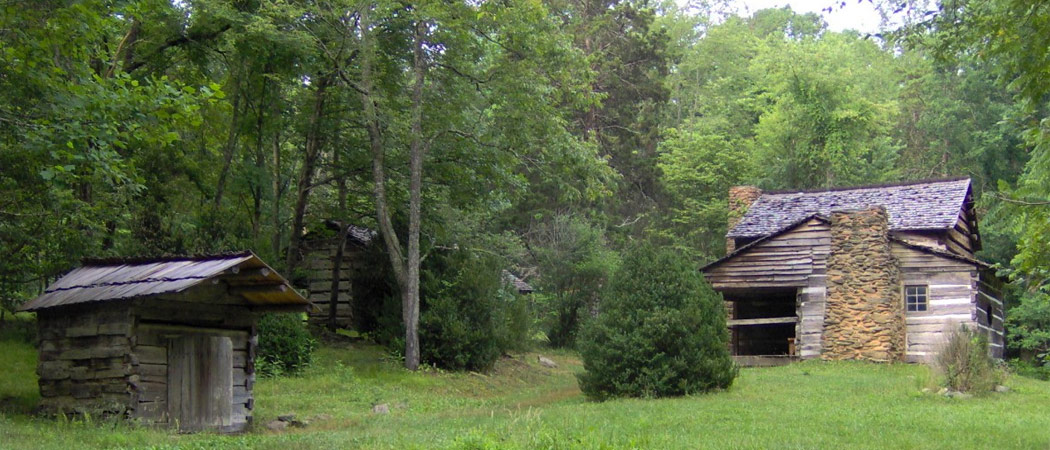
x: 542, y: 136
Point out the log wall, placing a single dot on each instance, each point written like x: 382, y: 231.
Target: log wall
x: 959, y: 294
x: 159, y: 323
x: 82, y: 366
x: 951, y: 296
x: 319, y: 263
x: 796, y: 259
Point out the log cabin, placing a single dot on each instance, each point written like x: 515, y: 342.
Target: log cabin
x: 330, y: 257
x: 879, y: 273
x: 165, y: 341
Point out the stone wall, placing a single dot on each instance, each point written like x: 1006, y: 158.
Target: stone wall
x: 864, y: 316
x: 740, y: 198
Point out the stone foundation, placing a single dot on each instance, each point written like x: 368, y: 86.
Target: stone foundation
x: 864, y: 318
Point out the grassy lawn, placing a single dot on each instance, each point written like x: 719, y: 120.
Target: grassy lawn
x: 523, y: 405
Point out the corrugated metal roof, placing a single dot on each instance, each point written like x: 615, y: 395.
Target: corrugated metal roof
x: 925, y: 205
x: 115, y: 279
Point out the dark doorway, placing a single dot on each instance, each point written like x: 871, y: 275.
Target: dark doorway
x: 763, y: 322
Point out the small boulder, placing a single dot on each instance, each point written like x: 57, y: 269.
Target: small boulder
x: 277, y: 425
x: 1002, y: 389
x: 300, y: 423
x: 286, y: 417
x: 381, y: 408
x: 546, y: 362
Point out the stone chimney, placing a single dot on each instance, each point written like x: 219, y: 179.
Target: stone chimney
x: 740, y: 198
x: 864, y: 318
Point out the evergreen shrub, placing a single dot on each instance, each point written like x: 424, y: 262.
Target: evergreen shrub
x: 285, y: 345
x: 661, y: 331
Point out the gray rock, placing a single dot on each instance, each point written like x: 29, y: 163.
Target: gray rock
x: 381, y: 408
x: 545, y: 362
x: 277, y: 425
x: 1002, y: 389
x: 958, y: 395
x: 300, y: 423
x: 943, y: 391
x: 286, y: 417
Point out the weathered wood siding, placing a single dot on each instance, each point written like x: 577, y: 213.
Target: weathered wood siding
x: 952, y: 296
x: 159, y: 326
x: 989, y: 310
x: 795, y: 259
x: 82, y: 365
x: 319, y: 263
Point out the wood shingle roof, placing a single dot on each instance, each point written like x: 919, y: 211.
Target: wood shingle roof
x: 925, y: 205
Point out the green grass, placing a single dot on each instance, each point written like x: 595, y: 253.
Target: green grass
x: 522, y: 405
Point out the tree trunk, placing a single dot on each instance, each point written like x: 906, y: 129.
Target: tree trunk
x: 337, y: 264
x: 306, y: 174
x: 410, y: 297
x: 275, y: 242
x: 231, y: 141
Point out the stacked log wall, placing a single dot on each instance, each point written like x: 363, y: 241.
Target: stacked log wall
x: 796, y: 259
x: 989, y: 305
x: 951, y: 299
x: 319, y: 262
x: 83, y: 366
x: 157, y: 321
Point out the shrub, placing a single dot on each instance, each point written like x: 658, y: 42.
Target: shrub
x: 965, y: 364
x: 459, y: 319
x: 661, y: 332
x: 285, y: 345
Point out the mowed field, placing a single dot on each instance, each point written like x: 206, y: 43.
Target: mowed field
x: 523, y: 405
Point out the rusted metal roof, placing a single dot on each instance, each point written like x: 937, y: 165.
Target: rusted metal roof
x: 115, y: 279
x: 925, y: 205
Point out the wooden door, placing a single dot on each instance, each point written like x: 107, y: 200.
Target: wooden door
x: 200, y: 382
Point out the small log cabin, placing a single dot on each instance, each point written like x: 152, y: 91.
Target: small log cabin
x: 330, y: 260
x: 167, y: 341
x: 877, y: 273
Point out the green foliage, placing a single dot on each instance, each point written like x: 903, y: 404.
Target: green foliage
x: 459, y: 326
x: 965, y: 364
x: 1028, y: 326
x: 698, y: 169
x: 661, y: 332
x: 576, y: 262
x: 285, y: 345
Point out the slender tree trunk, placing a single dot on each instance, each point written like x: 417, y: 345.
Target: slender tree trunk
x: 410, y: 298
x: 333, y: 300
x: 275, y: 243
x: 231, y: 141
x: 260, y: 164
x: 306, y: 174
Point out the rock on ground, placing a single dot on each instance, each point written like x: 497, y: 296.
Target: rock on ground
x: 545, y: 362
x: 381, y: 408
x: 277, y: 425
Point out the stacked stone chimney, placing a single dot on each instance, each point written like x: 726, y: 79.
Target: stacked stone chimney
x: 740, y: 199
x: 864, y: 318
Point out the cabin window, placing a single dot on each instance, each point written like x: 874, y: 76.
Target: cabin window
x: 915, y: 298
